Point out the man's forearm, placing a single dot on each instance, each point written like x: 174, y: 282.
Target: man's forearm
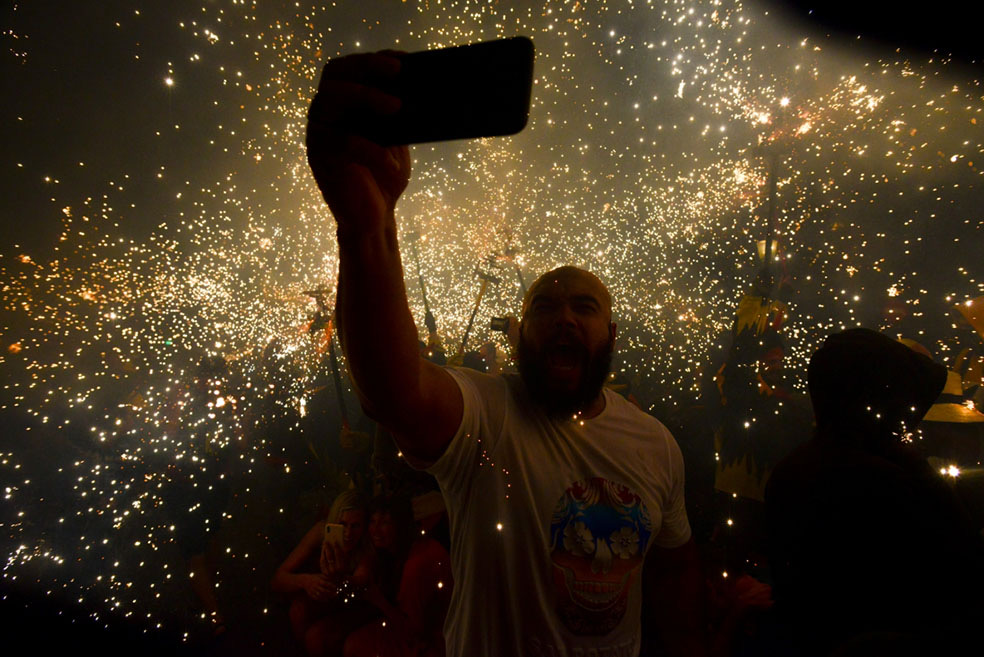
x: 375, y: 325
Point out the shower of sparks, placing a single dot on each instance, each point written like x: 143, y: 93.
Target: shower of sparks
x: 645, y: 161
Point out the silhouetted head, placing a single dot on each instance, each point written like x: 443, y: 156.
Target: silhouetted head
x: 391, y: 523
x: 566, y: 340
x: 866, y: 386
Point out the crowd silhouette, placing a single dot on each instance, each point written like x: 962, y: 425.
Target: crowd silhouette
x: 859, y: 547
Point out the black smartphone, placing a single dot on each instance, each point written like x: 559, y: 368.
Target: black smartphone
x: 500, y: 324
x: 462, y: 92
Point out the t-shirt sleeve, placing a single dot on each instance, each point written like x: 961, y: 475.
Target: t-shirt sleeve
x: 473, y: 439
x: 675, y: 529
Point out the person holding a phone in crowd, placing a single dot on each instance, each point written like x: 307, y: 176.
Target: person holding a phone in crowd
x: 565, y: 501
x: 411, y: 586
x: 323, y: 576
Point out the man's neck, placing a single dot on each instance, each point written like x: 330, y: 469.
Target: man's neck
x: 591, y: 410
x: 595, y: 408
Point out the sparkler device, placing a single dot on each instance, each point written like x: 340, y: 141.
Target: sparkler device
x: 478, y: 90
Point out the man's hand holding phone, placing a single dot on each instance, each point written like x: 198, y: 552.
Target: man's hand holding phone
x: 366, y: 108
x: 359, y: 179
x: 369, y: 105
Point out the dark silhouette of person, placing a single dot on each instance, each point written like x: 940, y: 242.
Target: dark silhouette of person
x: 867, y: 543
x: 411, y: 587
x: 320, y: 579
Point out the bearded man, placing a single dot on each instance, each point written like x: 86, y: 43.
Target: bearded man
x: 565, y: 501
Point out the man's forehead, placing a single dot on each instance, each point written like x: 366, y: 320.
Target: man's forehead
x: 568, y: 282
x: 564, y: 288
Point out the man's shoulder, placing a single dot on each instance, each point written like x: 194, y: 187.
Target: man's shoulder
x: 642, y: 435
x: 482, y: 390
x: 626, y: 411
x: 478, y: 379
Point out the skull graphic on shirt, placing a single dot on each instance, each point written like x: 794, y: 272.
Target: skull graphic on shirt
x: 599, y: 532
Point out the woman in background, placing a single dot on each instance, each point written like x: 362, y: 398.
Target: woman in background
x: 411, y: 587
x: 321, y: 578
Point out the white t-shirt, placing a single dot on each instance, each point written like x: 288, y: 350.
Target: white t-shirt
x: 551, y: 521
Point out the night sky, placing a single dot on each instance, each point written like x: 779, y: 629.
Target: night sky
x: 158, y: 210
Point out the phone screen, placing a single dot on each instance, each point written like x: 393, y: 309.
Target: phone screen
x: 334, y: 534
x: 477, y: 90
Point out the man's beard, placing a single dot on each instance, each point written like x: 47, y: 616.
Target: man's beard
x: 533, y: 368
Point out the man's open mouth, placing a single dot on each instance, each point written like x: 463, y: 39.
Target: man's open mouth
x: 564, y: 357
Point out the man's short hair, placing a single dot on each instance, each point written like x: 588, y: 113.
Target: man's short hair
x: 563, y: 272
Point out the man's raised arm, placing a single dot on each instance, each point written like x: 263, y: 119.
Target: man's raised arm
x: 417, y: 401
